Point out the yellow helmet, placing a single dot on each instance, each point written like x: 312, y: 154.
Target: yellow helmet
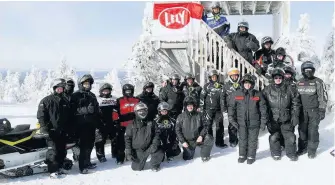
x: 233, y: 71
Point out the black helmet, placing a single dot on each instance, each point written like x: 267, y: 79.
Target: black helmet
x: 189, y: 76
x: 103, y: 87
x: 163, y: 106
x: 267, y: 39
x: 190, y: 101
x: 58, y: 82
x: 213, y: 72
x: 69, y: 87
x: 128, y: 90
x: 149, y: 85
x: 175, y: 77
x: 86, y: 78
x: 307, y: 65
x: 216, y: 5
x: 141, y: 110
x: 281, y: 51
x: 248, y: 78
x: 70, y: 81
x: 289, y: 69
x: 242, y: 24
x: 277, y: 71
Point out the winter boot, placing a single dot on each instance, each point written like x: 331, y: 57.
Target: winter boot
x: 102, y: 159
x: 276, y: 158
x: 311, y: 155
x: 84, y: 171
x: 242, y: 159
x: 205, y: 159
x: 251, y: 160
x: 233, y: 144
x: 293, y: 158
x: 63, y: 171
x: 92, y: 166
x: 221, y: 145
x: 301, y: 152
x: 155, y: 168
x: 119, y: 162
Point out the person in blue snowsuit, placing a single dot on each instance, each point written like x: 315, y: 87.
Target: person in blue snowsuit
x: 217, y: 21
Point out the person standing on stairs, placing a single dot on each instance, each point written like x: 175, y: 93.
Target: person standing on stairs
x: 229, y: 87
x: 217, y: 21
x: 247, y: 111
x: 243, y: 42
x: 264, y: 57
x: 210, y: 104
x: 278, y: 62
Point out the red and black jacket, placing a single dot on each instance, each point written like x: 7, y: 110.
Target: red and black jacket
x: 125, y: 108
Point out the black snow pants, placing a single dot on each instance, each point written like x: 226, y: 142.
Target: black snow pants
x: 107, y: 132
x: 248, y: 140
x: 171, y: 150
x: 119, y: 144
x: 217, y: 117
x: 56, y: 155
x: 206, y: 148
x: 282, y: 131
x: 141, y: 157
x: 86, y: 135
x: 309, y: 130
x: 232, y: 131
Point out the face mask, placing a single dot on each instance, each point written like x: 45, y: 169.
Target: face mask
x: 308, y: 73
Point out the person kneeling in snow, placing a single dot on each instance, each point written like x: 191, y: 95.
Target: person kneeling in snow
x: 142, y: 139
x: 192, y: 130
x: 166, y: 124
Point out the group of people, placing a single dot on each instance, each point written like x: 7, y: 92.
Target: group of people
x: 184, y: 114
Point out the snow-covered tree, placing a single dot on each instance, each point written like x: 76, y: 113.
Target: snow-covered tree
x: 12, y: 87
x: 32, y: 84
x: 64, y: 70
x: 2, y: 83
x: 113, y: 79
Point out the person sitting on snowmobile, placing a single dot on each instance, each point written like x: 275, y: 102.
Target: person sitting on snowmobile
x: 264, y: 57
x: 247, y: 111
x: 53, y: 116
x: 125, y: 108
x: 142, y: 139
x: 172, y: 93
x: 192, y: 88
x: 284, y: 104
x: 210, y: 103
x: 228, y: 88
x: 243, y: 42
x: 87, y: 118
x: 290, y: 75
x: 217, y: 21
x: 107, y: 104
x: 150, y: 99
x: 192, y: 130
x: 278, y: 62
x: 166, y: 124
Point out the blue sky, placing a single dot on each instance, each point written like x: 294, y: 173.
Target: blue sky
x: 100, y: 35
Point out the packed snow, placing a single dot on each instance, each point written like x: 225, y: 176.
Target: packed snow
x: 221, y: 169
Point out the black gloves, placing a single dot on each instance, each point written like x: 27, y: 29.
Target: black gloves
x: 322, y: 114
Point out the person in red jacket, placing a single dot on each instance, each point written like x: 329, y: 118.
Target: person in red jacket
x: 125, y: 109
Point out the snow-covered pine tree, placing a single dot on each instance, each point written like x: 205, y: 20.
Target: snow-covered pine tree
x: 12, y: 87
x: 32, y: 84
x: 1, y: 86
x: 113, y: 79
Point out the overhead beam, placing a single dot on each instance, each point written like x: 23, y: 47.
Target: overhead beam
x: 268, y: 7
x: 241, y: 8
x: 226, y: 7
x: 254, y: 7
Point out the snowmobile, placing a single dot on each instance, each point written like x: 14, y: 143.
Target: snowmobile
x: 23, y: 150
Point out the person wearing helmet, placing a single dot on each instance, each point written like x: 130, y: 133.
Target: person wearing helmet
x: 142, y: 139
x: 229, y: 87
x: 314, y: 99
x: 87, y: 118
x: 278, y: 62
x: 243, y: 42
x: 166, y: 124
x: 284, y: 108
x: 109, y: 117
x: 290, y: 75
x: 125, y: 108
x: 53, y: 116
x: 150, y: 99
x: 264, y: 56
x: 192, y: 88
x: 217, y: 21
x: 210, y: 103
x: 192, y: 130
x: 173, y: 94
x: 247, y: 111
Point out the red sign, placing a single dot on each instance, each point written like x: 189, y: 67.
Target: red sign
x: 177, y: 15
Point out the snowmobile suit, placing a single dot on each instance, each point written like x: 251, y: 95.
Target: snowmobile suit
x: 152, y: 101
x: 248, y: 111
x: 284, y: 109
x: 314, y: 102
x: 125, y: 108
x: 174, y: 96
x: 243, y: 43
x: 87, y: 118
x: 53, y: 115
x: 218, y: 22
x: 108, y: 129
x: 210, y: 103
x: 168, y: 136
x: 189, y: 126
x: 227, y: 90
x: 194, y: 91
x: 264, y: 58
x: 142, y: 139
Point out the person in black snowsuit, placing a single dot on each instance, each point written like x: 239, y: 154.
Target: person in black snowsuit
x: 172, y: 93
x: 150, y: 99
x: 210, y: 103
x: 192, y: 88
x: 109, y: 119
x: 192, y: 130
x: 247, y: 110
x: 166, y: 124
x: 87, y: 118
x: 243, y: 42
x: 284, y: 108
x: 53, y: 116
x: 278, y: 62
x: 290, y: 75
x: 314, y: 99
x: 143, y: 139
x: 229, y: 87
x: 264, y: 56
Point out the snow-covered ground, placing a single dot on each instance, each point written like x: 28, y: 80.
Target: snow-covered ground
x: 221, y: 169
